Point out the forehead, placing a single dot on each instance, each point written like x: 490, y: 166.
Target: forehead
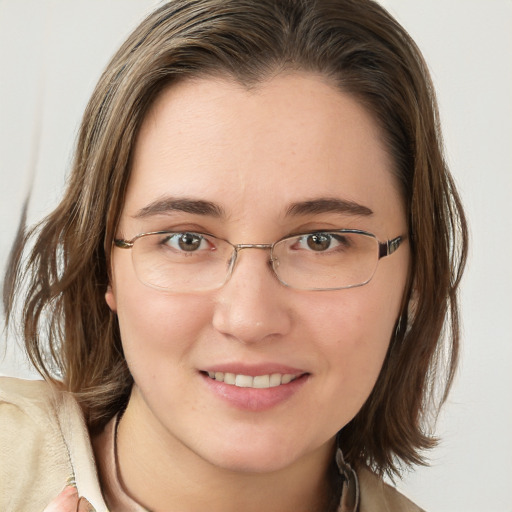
x: 292, y: 138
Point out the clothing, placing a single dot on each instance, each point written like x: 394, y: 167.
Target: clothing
x: 44, y: 441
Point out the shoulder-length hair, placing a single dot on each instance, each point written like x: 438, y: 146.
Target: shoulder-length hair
x: 70, y: 334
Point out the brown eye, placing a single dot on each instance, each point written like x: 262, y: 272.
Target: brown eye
x: 189, y: 242
x: 184, y: 242
x: 319, y: 241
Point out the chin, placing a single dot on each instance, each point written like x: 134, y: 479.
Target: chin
x: 260, y: 454
x: 251, y: 462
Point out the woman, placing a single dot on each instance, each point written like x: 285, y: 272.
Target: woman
x: 243, y: 290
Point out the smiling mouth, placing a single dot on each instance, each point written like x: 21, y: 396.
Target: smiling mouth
x: 257, y: 382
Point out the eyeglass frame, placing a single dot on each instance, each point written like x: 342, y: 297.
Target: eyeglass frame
x: 384, y: 249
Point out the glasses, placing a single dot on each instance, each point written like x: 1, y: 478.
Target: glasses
x: 187, y: 261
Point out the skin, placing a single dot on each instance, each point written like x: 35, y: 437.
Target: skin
x: 69, y: 501
x: 253, y: 153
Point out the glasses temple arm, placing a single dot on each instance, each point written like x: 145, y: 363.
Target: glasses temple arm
x: 123, y: 244
x: 389, y: 247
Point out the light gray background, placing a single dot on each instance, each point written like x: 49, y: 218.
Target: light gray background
x: 51, y: 54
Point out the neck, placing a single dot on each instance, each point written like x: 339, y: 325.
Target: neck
x: 157, y: 470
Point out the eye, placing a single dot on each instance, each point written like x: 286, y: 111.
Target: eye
x: 186, y: 242
x: 320, y: 242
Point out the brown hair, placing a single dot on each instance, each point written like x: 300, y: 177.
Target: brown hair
x: 69, y: 332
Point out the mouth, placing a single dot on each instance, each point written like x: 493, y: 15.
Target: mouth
x: 254, y: 388
x: 271, y: 380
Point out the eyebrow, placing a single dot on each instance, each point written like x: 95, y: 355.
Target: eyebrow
x: 182, y: 204
x: 207, y: 208
x: 328, y: 205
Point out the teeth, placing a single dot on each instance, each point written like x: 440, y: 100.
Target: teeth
x: 258, y: 382
x: 244, y: 381
x: 261, y: 381
x: 275, y: 380
x: 230, y: 378
x: 286, y: 379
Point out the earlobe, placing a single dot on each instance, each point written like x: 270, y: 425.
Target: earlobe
x: 111, y: 299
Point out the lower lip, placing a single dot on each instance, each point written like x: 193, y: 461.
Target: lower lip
x: 253, y: 399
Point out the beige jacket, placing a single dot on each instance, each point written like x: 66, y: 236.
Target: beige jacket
x: 44, y: 441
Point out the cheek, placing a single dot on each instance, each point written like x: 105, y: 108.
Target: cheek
x: 357, y: 320
x: 157, y: 327
x: 356, y: 330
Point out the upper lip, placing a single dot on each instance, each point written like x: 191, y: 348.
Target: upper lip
x: 254, y: 370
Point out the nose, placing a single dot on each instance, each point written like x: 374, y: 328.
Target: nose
x: 252, y: 306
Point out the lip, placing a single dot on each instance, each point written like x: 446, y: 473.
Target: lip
x: 253, y: 399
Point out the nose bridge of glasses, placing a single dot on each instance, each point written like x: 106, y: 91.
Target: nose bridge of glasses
x: 239, y: 247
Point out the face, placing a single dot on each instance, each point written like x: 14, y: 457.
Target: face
x: 254, y: 154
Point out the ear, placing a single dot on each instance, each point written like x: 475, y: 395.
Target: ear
x: 111, y: 299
